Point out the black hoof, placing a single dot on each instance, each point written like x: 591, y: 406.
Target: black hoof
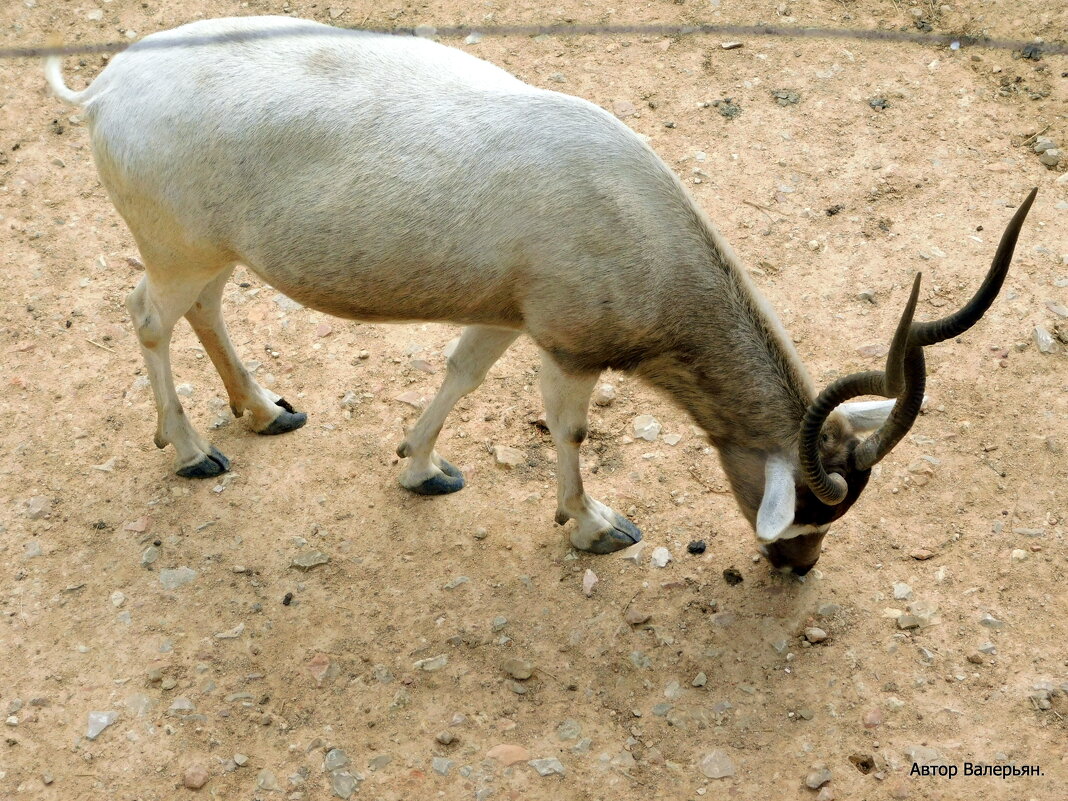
x: 288, y: 420
x: 215, y: 463
x: 622, y: 535
x: 452, y: 481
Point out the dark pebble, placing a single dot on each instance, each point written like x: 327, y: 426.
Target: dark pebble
x: 287, y: 599
x: 732, y: 576
x: 697, y: 546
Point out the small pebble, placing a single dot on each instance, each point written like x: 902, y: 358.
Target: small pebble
x: 700, y: 680
x: 604, y: 395
x: 445, y: 737
x: 817, y: 778
x: 508, y: 456
x: 815, y: 635
x: 309, y: 559
x: 548, y: 766
x: 646, y: 427
x: 441, y: 765
x: 902, y: 591
x: 507, y: 754
x: 589, y: 579
x: 518, y: 668
x: 178, y: 577
x: 697, y: 546
x: 635, y: 616
x: 432, y: 664
x: 195, y: 777
x: 98, y: 721
x: 240, y: 760
x: 716, y: 765
x: 335, y: 760
x: 661, y: 556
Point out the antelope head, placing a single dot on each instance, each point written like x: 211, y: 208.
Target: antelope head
x: 805, y: 492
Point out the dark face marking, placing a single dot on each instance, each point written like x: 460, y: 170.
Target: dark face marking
x: 799, y: 554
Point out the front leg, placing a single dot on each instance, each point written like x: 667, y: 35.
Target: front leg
x: 598, y: 528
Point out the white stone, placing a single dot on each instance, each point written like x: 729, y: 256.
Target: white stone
x: 661, y: 556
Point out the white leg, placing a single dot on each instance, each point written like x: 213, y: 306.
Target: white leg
x: 567, y: 398
x: 270, y: 414
x: 155, y: 306
x: 426, y: 472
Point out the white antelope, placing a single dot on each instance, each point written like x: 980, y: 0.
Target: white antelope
x: 386, y: 178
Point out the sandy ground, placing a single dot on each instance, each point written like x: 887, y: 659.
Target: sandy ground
x: 224, y: 666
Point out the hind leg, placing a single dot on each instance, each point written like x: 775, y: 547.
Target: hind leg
x: 269, y: 413
x: 155, y: 305
x: 426, y: 472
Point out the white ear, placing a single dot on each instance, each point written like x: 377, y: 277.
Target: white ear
x: 867, y: 415
x: 776, y: 511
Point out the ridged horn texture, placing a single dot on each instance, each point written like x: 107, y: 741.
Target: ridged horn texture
x: 904, y: 376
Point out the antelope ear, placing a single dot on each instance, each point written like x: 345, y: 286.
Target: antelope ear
x: 867, y: 415
x: 776, y: 511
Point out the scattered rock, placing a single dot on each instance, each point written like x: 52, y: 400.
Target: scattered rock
x: 815, y: 635
x: 569, y: 730
x: 902, y: 591
x: 98, y: 721
x: 231, y: 634
x: 700, y: 680
x: 991, y: 622
x: 309, y: 559
x: 660, y: 557
x: 518, y: 668
x: 921, y: 554
x: 441, y: 765
x: 319, y: 667
x: 635, y: 616
x: 172, y: 579
x: 240, y: 760
x: 878, y: 103
x: 445, y: 737
x: 507, y: 754
x: 37, y: 507
x: 452, y: 584
x: 817, y: 778
x: 433, y: 663
x: 646, y: 427
x: 335, y: 760
x: 1043, y: 340
x: 731, y: 45
x: 343, y: 783
x: 872, y: 718
x: 623, y: 109
x: 411, y: 398
x: 589, y: 578
x: 716, y: 765
x: 604, y: 395
x: 195, y: 777
x: 508, y: 456
x: 548, y: 766
x: 696, y: 547
x: 1051, y: 157
x: 266, y: 780
x: 825, y: 794
x: 633, y: 553
x: 784, y: 97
